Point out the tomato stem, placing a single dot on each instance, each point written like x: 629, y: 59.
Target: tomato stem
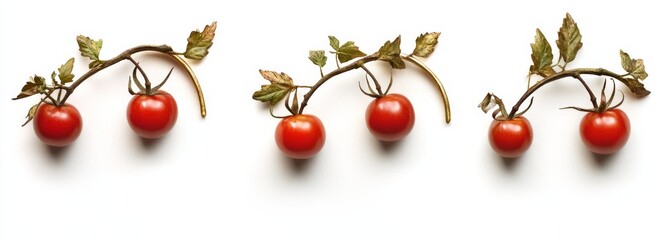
x: 354, y: 65
x: 593, y: 98
x: 127, y: 55
x: 373, y: 57
x: 373, y: 78
x: 576, y: 73
x: 143, y: 73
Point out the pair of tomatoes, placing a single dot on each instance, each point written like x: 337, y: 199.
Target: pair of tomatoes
x: 603, y: 132
x: 150, y: 116
x: 389, y: 118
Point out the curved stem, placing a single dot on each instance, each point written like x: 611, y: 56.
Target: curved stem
x: 373, y: 78
x: 373, y: 57
x: 194, y: 79
x: 123, y: 56
x: 445, y: 98
x: 127, y: 55
x: 354, y: 65
x: 143, y: 73
x: 593, y: 98
x: 574, y: 73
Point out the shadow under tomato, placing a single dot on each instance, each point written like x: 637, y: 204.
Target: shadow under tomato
x: 389, y: 146
x: 57, y: 154
x: 298, y: 166
x: 601, y: 161
x: 509, y: 164
x: 150, y: 143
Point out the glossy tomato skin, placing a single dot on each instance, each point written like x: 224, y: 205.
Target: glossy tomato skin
x: 391, y: 117
x: 605, y: 132
x: 300, y: 136
x: 57, y: 126
x: 510, y: 138
x: 152, y: 116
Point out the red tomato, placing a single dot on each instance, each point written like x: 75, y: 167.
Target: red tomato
x: 152, y: 116
x: 57, y: 126
x: 605, y: 132
x: 510, y: 138
x: 390, y: 118
x: 300, y: 136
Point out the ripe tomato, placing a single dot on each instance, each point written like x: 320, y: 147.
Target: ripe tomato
x: 57, y: 126
x: 391, y: 117
x: 152, y: 116
x: 605, y: 132
x: 510, y: 138
x: 300, y: 136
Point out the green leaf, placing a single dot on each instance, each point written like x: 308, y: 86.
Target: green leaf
x: 199, y: 43
x: 31, y: 113
x: 541, y: 56
x: 89, y: 48
x: 347, y: 52
x: 272, y: 93
x: 425, y: 44
x: 635, y: 67
x: 65, y: 71
x: 391, y: 52
x: 36, y: 84
x: 281, y: 85
x: 334, y: 43
x: 318, y: 57
x: 569, y: 39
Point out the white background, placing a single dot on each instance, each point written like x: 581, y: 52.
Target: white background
x: 223, y: 177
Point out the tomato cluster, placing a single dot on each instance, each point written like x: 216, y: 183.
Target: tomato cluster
x: 602, y: 133
x: 389, y: 118
x: 150, y: 116
x: 151, y: 113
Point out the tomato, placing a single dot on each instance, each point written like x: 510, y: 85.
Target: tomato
x: 152, y: 116
x: 300, y: 136
x: 57, y: 126
x: 510, y: 138
x: 605, y: 132
x: 390, y: 118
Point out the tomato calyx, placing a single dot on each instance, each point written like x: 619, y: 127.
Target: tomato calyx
x: 604, y: 104
x: 379, y: 93
x: 147, y: 89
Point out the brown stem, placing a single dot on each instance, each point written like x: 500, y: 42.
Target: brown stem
x: 374, y: 57
x: 127, y: 55
x: 355, y: 65
x: 574, y: 73
x: 593, y: 98
x: 143, y: 73
x: 373, y: 78
x: 123, y: 56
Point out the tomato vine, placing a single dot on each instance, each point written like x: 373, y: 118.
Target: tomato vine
x: 281, y: 87
x: 63, y: 82
x: 568, y: 43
